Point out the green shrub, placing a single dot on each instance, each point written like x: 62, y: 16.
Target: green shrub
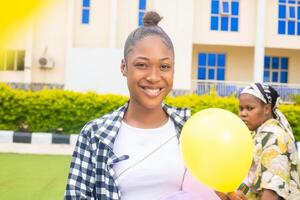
x: 292, y: 113
x: 50, y: 110
x: 296, y: 98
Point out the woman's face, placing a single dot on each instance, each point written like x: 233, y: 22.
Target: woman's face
x: 149, y: 69
x: 253, y: 111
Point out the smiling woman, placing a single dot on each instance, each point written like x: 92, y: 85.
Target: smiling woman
x: 133, y: 152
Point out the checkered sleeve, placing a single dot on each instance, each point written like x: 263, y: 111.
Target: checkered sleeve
x: 81, y: 179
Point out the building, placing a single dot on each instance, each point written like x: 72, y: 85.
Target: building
x: 225, y: 43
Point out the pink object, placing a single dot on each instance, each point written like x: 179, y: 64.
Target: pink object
x: 200, y: 192
x: 181, y: 195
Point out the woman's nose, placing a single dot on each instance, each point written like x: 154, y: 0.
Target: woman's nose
x: 242, y: 113
x: 153, y: 75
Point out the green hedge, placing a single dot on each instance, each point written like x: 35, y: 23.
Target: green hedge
x: 50, y: 110
x: 296, y: 98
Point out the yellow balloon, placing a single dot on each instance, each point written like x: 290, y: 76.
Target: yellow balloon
x: 217, y: 148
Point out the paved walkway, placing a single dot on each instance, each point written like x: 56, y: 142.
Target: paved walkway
x: 51, y: 149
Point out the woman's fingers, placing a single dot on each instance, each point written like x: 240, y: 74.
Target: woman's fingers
x: 237, y: 195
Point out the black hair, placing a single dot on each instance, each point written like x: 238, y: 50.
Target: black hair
x: 150, y: 27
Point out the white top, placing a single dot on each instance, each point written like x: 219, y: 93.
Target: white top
x: 155, y: 167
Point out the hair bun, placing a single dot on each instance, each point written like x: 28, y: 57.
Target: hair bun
x: 151, y: 18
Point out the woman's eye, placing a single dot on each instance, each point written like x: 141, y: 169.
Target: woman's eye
x: 165, y: 67
x: 140, y: 64
x: 249, y: 108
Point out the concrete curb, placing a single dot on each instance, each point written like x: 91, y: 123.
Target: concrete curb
x: 37, y: 138
x: 44, y: 149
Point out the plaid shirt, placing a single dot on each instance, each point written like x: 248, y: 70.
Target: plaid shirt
x: 91, y: 173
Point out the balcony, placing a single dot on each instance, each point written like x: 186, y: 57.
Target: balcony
x: 228, y: 88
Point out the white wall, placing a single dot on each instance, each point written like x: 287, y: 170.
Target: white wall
x: 178, y: 24
x: 272, y: 38
x: 244, y: 37
x: 95, y: 70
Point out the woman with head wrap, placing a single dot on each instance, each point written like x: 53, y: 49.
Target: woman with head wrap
x: 274, y: 173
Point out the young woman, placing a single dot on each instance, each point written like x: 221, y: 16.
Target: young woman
x: 133, y: 152
x: 274, y: 173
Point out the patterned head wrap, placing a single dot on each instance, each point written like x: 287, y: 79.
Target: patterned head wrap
x: 269, y: 95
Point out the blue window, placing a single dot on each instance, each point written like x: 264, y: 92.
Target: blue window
x: 283, y: 77
x: 142, y: 4
x: 224, y: 15
x: 276, y: 69
x: 215, y: 6
x: 211, y: 59
x: 225, y: 7
x: 86, y: 3
x: 142, y: 10
x: 274, y: 77
x: 267, y: 62
x: 266, y: 76
x: 221, y: 60
x: 224, y: 23
x: 288, y: 17
x: 281, y: 27
x: 211, y: 66
x: 211, y: 74
x: 275, y: 62
x: 281, y: 11
x: 202, y: 73
x: 234, y: 8
x: 291, y: 27
x: 292, y: 12
x: 85, y: 18
x: 234, y: 24
x: 214, y: 23
x: 284, y: 63
x: 221, y: 74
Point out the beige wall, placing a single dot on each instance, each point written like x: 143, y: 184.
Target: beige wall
x: 127, y: 20
x: 10, y: 76
x: 51, y: 33
x: 178, y: 24
x: 47, y: 31
x: 186, y: 21
x: 294, y: 62
x: 19, y: 43
x: 244, y: 37
x: 96, y: 33
x: 239, y: 61
x: 273, y: 39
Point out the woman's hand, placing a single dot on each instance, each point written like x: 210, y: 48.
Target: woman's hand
x: 237, y: 195
x: 269, y: 195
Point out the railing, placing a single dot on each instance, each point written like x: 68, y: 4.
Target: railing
x: 227, y: 88
x: 34, y: 86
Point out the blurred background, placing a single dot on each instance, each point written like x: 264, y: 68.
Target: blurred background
x: 78, y: 44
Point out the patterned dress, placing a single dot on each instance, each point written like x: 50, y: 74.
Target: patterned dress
x: 275, y: 164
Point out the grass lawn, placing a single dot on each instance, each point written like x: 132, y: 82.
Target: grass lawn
x: 30, y: 177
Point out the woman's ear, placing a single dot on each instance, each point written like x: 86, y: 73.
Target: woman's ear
x: 123, y: 68
x: 268, y: 110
